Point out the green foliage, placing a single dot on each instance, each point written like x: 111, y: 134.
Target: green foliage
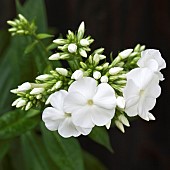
x: 100, y: 135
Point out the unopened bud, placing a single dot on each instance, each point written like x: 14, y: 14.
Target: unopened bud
x: 16, y: 101
x: 83, y: 53
x: 81, y: 30
x: 39, y: 96
x: 108, y: 125
x: 124, y: 120
x: 119, y: 125
x: 104, y: 79
x: 58, y: 84
x: 44, y: 77
x: 21, y: 103
x: 96, y: 75
x: 54, y: 57
x: 28, y: 106
x: 115, y: 70
x: 83, y: 65
x: 62, y: 71
x: 151, y: 116
x: 15, y: 91
x: 96, y: 59
x: 59, y: 41
x: 36, y: 91
x: 124, y: 54
x: 78, y: 74
x: 84, y: 42
x: 24, y: 87
x: 72, y: 48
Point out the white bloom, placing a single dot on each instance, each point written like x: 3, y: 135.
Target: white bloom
x: 38, y: 90
x: 120, y: 101
x: 153, y: 60
x: 104, y: 79
x: 124, y: 54
x: 62, y: 71
x: 140, y: 92
x: 84, y: 42
x: 90, y: 104
x: 72, y: 48
x: 56, y: 118
x: 96, y: 75
x: 77, y: 74
x: 54, y: 56
x: 115, y: 70
x: 24, y: 87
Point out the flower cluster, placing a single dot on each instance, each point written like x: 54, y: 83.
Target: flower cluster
x: 91, y: 91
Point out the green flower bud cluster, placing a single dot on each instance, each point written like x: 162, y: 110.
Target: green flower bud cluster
x: 21, y: 26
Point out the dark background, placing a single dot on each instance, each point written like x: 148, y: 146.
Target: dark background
x: 117, y: 25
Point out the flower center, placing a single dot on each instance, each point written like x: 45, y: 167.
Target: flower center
x: 67, y: 114
x: 141, y: 92
x: 90, y: 102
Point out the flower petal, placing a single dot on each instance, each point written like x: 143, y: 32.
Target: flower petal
x: 105, y: 96
x: 57, y: 99
x: 52, y: 118
x: 101, y: 116
x: 131, y: 111
x: 85, y: 86
x: 82, y: 117
x: 84, y: 131
x: 67, y: 129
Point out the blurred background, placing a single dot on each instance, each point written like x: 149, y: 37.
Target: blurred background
x: 117, y: 25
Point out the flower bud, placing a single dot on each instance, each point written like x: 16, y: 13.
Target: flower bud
x: 12, y: 23
x: 24, y: 87
x: 15, y: 91
x: 36, y: 91
x: 96, y: 75
x: 58, y: 84
x: 104, y: 79
x: 108, y: 125
x: 54, y: 57
x: 119, y: 125
x: 39, y: 96
x: 48, y: 100
x: 62, y: 71
x: 96, y: 59
x: 115, y: 70
x: 83, y: 65
x: 21, y: 103
x: 124, y: 54
x: 101, y: 57
x: 83, y: 53
x: 16, y: 101
x: 84, y: 42
x: 72, y: 48
x: 151, y: 116
x: 120, y: 101
x: 28, y: 106
x: 44, y: 77
x: 124, y: 120
x: 59, y: 41
x: 81, y: 30
x: 78, y: 74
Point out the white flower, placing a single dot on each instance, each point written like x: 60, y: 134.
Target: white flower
x: 90, y: 104
x: 124, y: 54
x: 104, y: 79
x: 96, y: 75
x: 24, y: 87
x: 77, y: 74
x: 62, y: 71
x: 153, y: 60
x: 72, y: 48
x: 38, y: 90
x: 140, y: 92
x: 56, y: 118
x: 115, y: 70
x: 54, y: 56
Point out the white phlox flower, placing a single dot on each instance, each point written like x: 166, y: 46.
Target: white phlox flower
x: 89, y: 103
x: 56, y: 118
x: 153, y: 60
x: 140, y: 92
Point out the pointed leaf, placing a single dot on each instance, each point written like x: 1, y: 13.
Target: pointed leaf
x: 30, y: 47
x: 100, y: 135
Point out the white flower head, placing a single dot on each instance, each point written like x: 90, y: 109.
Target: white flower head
x: 72, y: 48
x: 56, y: 118
x: 24, y: 87
x: 140, y: 92
x: 78, y: 74
x: 153, y: 60
x: 89, y: 103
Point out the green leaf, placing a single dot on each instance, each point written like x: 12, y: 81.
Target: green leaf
x: 4, y: 147
x: 30, y: 47
x: 14, y: 123
x: 100, y: 135
x: 44, y: 36
x: 34, y: 154
x: 66, y: 153
x: 92, y: 163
